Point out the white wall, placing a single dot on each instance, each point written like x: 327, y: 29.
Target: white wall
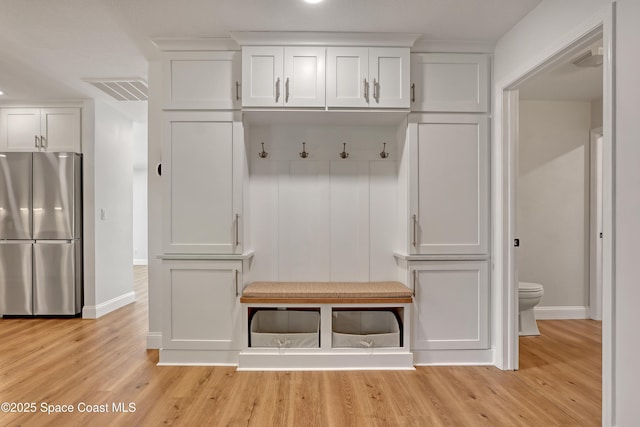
x: 113, y: 169
x: 323, y: 218
x: 140, y: 241
x: 627, y: 213
x: 553, y: 186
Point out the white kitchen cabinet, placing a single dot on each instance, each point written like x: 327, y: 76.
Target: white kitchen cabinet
x: 283, y: 76
x: 202, y: 172
x: 40, y: 129
x: 451, y: 305
x: 449, y: 82
x: 360, y: 77
x: 201, y: 80
x: 448, y: 185
x: 202, y: 307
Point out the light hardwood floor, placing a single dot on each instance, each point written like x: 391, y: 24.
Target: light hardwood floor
x: 104, y: 362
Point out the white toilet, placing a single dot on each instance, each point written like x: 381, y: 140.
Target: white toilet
x: 529, y: 295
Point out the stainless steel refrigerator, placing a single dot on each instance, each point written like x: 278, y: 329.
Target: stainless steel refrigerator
x: 40, y: 234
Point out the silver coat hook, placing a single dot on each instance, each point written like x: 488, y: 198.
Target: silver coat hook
x: 304, y: 153
x: 344, y: 153
x: 383, y: 153
x: 263, y: 154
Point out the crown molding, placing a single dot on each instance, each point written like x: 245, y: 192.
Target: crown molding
x: 424, y: 45
x: 168, y: 44
x: 312, y: 38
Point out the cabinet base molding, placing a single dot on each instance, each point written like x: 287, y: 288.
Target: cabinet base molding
x: 259, y: 361
x: 169, y: 357
x: 453, y: 357
x: 154, y: 340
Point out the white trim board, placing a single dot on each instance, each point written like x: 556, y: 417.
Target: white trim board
x: 561, y: 312
x: 97, y: 311
x: 154, y: 340
x: 140, y: 261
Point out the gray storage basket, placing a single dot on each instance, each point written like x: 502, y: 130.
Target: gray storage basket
x: 285, y: 329
x: 368, y: 329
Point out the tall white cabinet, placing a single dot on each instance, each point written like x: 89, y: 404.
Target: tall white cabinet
x: 445, y: 237
x: 203, y: 176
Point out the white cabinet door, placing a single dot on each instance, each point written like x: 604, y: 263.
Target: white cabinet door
x: 60, y: 129
x: 262, y: 76
x: 40, y: 129
x: 202, y: 305
x: 450, y: 82
x: 202, y: 186
x: 20, y: 129
x: 360, y: 77
x: 304, y: 80
x: 451, y: 305
x: 201, y: 80
x: 449, y: 182
x: 389, y: 73
x: 348, y: 77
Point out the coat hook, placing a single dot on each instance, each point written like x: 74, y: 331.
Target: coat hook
x: 263, y: 154
x: 384, y: 154
x: 304, y: 153
x: 344, y: 153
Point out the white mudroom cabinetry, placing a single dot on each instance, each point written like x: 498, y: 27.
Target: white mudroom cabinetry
x: 362, y: 77
x: 448, y: 184
x: 202, y: 170
x: 292, y: 76
x: 202, y: 309
x: 201, y: 80
x: 53, y: 129
x: 451, y: 305
x: 450, y: 82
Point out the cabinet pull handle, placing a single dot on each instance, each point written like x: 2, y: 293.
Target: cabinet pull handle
x: 237, y: 91
x: 237, y: 292
x: 277, y: 89
x: 43, y: 142
x: 376, y: 91
x: 415, y: 230
x: 237, y: 221
x: 413, y: 92
x: 286, y: 90
x: 415, y: 275
x: 366, y: 90
x: 37, y: 142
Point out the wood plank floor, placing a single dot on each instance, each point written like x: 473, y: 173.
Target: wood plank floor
x: 104, y: 362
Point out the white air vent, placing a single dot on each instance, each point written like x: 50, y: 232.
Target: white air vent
x: 122, y: 89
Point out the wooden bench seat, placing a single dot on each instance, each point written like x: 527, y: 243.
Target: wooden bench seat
x: 326, y: 292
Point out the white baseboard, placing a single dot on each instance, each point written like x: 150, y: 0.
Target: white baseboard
x: 140, y: 261
x: 96, y: 311
x: 561, y: 312
x: 154, y: 340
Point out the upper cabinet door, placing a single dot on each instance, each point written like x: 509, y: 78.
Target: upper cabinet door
x: 262, y: 76
x: 389, y: 77
x: 60, y: 129
x: 348, y: 84
x: 304, y: 81
x: 449, y: 208
x: 450, y: 82
x: 40, y: 129
x: 20, y: 129
x: 202, y: 80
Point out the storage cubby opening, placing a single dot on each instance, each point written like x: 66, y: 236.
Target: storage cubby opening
x: 367, y: 327
x: 284, y: 327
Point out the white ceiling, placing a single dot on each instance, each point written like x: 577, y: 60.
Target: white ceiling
x: 47, y: 47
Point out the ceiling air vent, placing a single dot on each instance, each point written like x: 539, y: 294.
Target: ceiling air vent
x: 122, y: 89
